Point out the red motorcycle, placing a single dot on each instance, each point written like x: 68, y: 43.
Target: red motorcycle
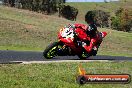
x: 69, y: 44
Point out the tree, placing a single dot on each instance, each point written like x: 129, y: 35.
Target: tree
x: 123, y: 20
x: 105, y: 1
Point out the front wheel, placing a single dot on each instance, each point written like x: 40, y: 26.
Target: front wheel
x: 51, y: 50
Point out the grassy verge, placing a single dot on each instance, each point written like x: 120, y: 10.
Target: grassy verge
x: 58, y: 75
x: 20, y: 48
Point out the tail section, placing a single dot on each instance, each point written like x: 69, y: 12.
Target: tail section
x: 103, y: 34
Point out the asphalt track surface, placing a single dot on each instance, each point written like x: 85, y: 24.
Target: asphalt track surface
x: 8, y: 56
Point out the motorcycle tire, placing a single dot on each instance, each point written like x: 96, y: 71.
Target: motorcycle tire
x: 48, y: 48
x: 81, y: 57
x: 84, y: 55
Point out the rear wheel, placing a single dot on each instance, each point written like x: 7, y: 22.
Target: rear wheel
x: 51, y: 50
x: 84, y: 55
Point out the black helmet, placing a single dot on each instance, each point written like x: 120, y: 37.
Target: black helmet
x: 89, y: 17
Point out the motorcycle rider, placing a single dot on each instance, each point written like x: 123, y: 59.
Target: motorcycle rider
x: 90, y: 35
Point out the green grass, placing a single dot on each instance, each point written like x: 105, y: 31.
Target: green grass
x: 59, y: 75
x: 20, y: 48
x: 25, y: 30
x: 116, y: 43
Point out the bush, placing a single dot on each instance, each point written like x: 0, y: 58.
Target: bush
x: 122, y: 20
x: 68, y: 12
x: 44, y: 6
x: 100, y: 17
x: 9, y: 2
x: 115, y: 23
